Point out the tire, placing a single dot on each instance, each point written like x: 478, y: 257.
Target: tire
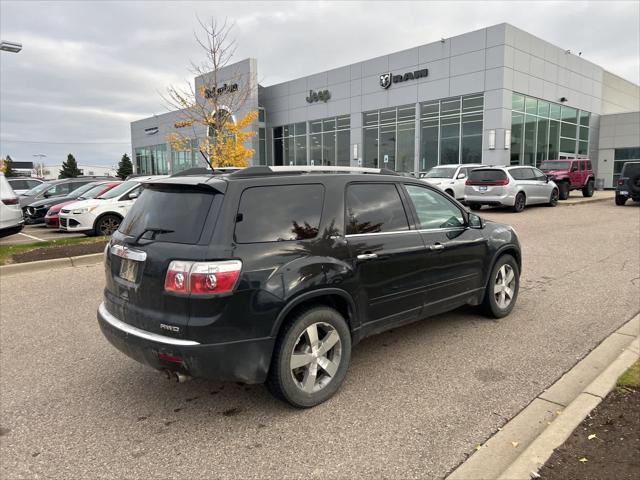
x: 634, y: 185
x: 289, y: 384
x: 450, y: 193
x: 587, y: 190
x: 107, y: 225
x: 475, y: 206
x: 553, y: 199
x: 564, y: 190
x: 520, y: 202
x: 621, y: 200
x: 492, y: 306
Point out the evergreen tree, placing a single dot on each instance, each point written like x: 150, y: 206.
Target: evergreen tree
x: 125, y: 167
x: 8, y: 167
x: 70, y: 168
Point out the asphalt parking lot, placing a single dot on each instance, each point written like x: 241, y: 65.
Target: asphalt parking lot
x: 415, y: 403
x: 37, y: 233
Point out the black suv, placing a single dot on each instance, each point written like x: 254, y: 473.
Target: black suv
x: 628, y: 186
x: 274, y: 273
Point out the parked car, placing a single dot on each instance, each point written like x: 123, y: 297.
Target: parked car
x: 628, y: 185
x: 56, y: 188
x: 572, y: 174
x: 93, y: 190
x: 514, y: 187
x: 11, y: 220
x: 22, y: 185
x: 103, y: 214
x: 273, y: 273
x: 450, y: 178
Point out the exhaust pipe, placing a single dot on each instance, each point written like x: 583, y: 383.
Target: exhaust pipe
x: 176, y: 376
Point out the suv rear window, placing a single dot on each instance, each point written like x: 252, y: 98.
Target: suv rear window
x: 630, y: 169
x: 180, y: 211
x: 482, y: 175
x: 279, y: 213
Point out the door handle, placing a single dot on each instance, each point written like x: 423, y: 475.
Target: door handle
x: 367, y: 256
x: 437, y: 246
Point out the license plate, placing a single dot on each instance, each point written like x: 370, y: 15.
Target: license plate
x: 623, y: 192
x: 128, y: 270
x: 482, y: 188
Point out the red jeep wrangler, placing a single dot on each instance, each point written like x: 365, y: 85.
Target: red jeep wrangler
x: 571, y: 174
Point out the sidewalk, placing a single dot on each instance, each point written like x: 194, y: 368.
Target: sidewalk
x: 525, y: 443
x: 576, y: 198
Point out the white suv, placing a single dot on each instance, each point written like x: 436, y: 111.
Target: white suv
x: 450, y: 178
x: 11, y: 220
x: 102, y: 215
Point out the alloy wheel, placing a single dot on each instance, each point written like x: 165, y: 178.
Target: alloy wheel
x: 315, y: 357
x: 504, y: 287
x: 108, y: 225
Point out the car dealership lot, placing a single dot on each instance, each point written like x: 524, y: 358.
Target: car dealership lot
x: 37, y: 233
x: 415, y: 403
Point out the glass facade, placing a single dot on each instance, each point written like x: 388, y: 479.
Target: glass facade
x: 389, y: 138
x: 451, y: 131
x: 542, y: 130
x: 290, y: 144
x: 622, y: 156
x: 152, y: 160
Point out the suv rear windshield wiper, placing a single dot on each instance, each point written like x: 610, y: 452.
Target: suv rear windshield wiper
x: 154, y: 231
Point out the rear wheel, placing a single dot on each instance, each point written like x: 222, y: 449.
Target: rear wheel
x: 553, y: 200
x: 311, y: 357
x: 520, y: 203
x: 475, y: 206
x: 564, y: 190
x: 107, y: 225
x: 587, y: 190
x: 502, y: 289
x: 621, y: 200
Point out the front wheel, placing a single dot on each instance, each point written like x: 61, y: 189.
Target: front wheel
x: 502, y: 289
x: 107, y: 225
x: 311, y: 357
x: 564, y: 190
x: 553, y: 200
x: 475, y: 206
x: 587, y: 190
x: 621, y: 200
x: 520, y: 203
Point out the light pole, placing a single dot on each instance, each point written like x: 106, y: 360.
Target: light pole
x: 41, y: 156
x: 12, y: 47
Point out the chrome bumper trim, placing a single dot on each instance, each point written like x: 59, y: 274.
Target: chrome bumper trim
x: 154, y: 337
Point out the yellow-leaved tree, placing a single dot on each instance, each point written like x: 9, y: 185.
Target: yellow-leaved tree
x: 208, y: 123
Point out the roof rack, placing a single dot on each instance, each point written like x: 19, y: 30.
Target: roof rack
x: 206, y: 171
x: 267, y: 170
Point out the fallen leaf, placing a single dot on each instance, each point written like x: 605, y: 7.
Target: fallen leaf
x: 558, y: 412
x: 583, y: 460
x: 592, y: 436
x: 478, y: 447
x: 515, y: 444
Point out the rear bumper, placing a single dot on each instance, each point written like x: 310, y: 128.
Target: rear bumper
x: 244, y: 361
x: 493, y: 200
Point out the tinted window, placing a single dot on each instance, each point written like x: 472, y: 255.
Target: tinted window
x: 630, y: 169
x: 279, y: 213
x: 18, y: 184
x: 539, y: 175
x: 32, y: 183
x: 372, y: 208
x: 589, y: 165
x: 433, y: 209
x: 180, y: 212
x: 522, y: 174
x: 485, y: 175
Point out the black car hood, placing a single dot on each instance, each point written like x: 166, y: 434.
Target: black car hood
x: 50, y: 201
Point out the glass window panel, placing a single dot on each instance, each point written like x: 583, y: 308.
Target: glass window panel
x: 301, y: 150
x: 568, y: 130
x: 278, y: 151
x: 430, y: 109
x: 450, y: 141
x: 554, y: 139
x: 629, y: 153
x: 529, y: 141
x: 472, y: 103
x: 543, y: 108
x: 584, y: 118
x: 388, y: 115
x: 370, y: 118
x: 517, y: 102
x: 543, y: 140
x: 428, y: 145
x: 277, y: 132
x: 329, y: 148
x: 261, y: 115
x: 584, y: 133
x: 583, y: 148
x: 554, y: 111
x: 531, y: 105
x: 406, y: 114
x: 316, y: 127
x: 261, y: 133
x: 301, y: 128
x: 290, y: 151
x: 471, y: 139
x: 567, y: 145
x: 329, y: 125
x: 374, y: 208
x: 434, y: 209
x: 388, y: 147
x: 344, y: 122
x: 370, y: 150
x: 517, y: 137
x: 262, y: 151
x: 343, y: 159
x: 569, y: 114
x: 315, y: 148
x: 287, y: 130
x: 450, y: 106
x: 406, y: 147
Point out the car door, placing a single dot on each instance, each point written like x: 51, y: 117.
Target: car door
x: 454, y: 253
x: 542, y: 185
x: 574, y: 173
x: 386, y: 252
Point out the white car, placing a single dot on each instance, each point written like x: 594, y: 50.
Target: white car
x: 11, y: 219
x: 450, y: 178
x: 102, y: 215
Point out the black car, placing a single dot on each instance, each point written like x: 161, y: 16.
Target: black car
x: 628, y: 185
x: 274, y: 273
x: 36, y: 211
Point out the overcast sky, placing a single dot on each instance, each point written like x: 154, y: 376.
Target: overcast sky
x: 87, y: 68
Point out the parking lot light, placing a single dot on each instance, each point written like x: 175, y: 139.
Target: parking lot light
x: 12, y: 47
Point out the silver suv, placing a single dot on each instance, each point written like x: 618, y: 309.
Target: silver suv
x: 514, y: 187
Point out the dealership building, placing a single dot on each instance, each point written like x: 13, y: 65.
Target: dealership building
x: 496, y: 96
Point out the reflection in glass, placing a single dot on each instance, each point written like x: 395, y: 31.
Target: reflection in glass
x: 374, y: 208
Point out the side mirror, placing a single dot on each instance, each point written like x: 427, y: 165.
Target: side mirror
x: 46, y: 194
x: 134, y: 195
x: 546, y: 179
x: 475, y: 221
x: 461, y: 176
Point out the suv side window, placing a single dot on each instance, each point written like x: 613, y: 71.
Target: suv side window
x: 434, y: 209
x: 539, y: 175
x: 374, y: 208
x: 58, y: 189
x: 279, y: 213
x: 574, y: 166
x: 589, y: 165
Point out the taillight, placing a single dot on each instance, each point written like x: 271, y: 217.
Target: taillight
x: 491, y: 183
x: 202, y: 278
x: 621, y: 182
x: 10, y: 201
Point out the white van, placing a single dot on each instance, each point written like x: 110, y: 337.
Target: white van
x: 11, y: 220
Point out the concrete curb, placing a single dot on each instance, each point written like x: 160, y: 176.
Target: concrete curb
x: 82, y: 260
x: 545, y: 423
x: 570, y: 202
